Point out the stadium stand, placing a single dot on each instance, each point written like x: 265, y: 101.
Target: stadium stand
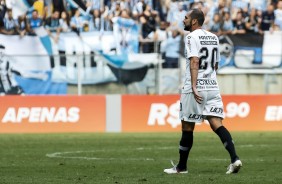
x: 137, y: 26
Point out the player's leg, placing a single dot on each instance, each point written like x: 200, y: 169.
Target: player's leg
x: 213, y: 112
x: 224, y: 135
x: 226, y: 139
x: 190, y: 113
x: 185, y: 144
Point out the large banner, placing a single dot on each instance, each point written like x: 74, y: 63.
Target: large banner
x: 27, y: 61
x: 161, y: 113
x: 38, y: 114
x: 102, y: 56
x: 135, y: 113
x: 252, y: 51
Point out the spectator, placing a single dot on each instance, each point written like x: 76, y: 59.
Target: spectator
x: 77, y: 23
x: 239, y: 24
x: 149, y: 21
x: 124, y: 26
x: 251, y: 22
x: 94, y: 17
x: 64, y: 22
x: 22, y: 25
x: 179, y: 15
x: 59, y: 5
x: 52, y: 25
x: 115, y: 10
x: 39, y: 5
x: 268, y: 18
x: 10, y: 24
x: 172, y: 7
x: 259, y: 4
x: 3, y: 9
x: 172, y: 49
x: 105, y: 22
x: 227, y: 24
x: 48, y: 7
x: 94, y: 4
x: 160, y: 36
x: 239, y: 4
x: 95, y: 21
x: 137, y: 8
x: 34, y: 22
x: 221, y: 8
x: 214, y: 24
x: 245, y: 12
x: 278, y: 15
x: 157, y: 5
x: 125, y: 5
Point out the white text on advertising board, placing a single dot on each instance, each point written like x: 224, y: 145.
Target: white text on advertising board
x: 273, y: 113
x: 161, y: 113
x: 41, y: 115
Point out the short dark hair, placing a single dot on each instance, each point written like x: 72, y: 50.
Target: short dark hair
x: 2, y: 46
x: 199, y: 15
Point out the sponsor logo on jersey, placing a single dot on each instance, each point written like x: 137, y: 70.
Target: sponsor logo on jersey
x: 195, y: 116
x: 208, y: 38
x: 216, y: 110
x: 208, y: 42
x: 41, y: 115
x: 206, y: 82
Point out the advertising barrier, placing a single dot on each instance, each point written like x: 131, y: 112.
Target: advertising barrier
x: 38, y: 114
x: 242, y: 112
x: 129, y: 113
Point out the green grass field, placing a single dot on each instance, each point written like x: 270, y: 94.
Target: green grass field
x: 135, y: 158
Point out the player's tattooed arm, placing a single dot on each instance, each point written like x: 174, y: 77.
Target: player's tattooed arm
x: 194, y: 67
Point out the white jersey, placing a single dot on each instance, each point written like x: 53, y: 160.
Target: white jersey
x: 204, y: 45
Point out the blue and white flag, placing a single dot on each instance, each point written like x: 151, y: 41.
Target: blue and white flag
x: 30, y: 58
x: 44, y: 38
x: 19, y: 7
x: 78, y: 4
x: 126, y: 34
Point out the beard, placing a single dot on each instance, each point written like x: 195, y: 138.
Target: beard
x: 188, y: 27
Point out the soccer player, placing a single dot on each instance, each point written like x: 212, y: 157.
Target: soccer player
x: 200, y: 97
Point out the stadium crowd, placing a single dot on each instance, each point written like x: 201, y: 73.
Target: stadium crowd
x: 159, y: 20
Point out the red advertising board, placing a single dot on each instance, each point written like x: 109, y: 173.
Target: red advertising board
x: 38, y: 114
x: 242, y: 112
x: 139, y: 113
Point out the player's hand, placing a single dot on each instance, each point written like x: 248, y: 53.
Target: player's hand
x: 197, y: 96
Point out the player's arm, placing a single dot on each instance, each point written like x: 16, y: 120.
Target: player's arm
x: 194, y: 67
x: 193, y: 55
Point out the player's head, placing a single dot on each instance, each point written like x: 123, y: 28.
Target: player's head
x: 193, y: 20
x: 2, y: 51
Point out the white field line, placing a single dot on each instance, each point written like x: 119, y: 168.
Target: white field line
x: 65, y: 154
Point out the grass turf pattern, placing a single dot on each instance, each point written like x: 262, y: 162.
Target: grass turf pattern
x: 136, y: 158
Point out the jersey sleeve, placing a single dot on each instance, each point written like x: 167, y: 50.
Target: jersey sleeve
x: 192, y: 48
